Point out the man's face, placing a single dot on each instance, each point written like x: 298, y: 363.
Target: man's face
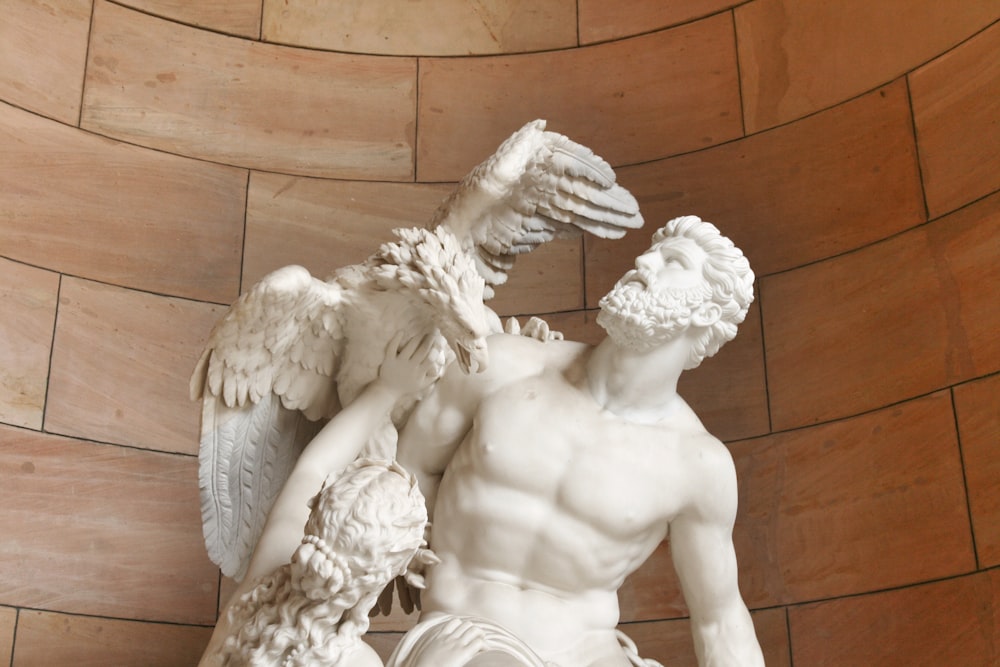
x: 673, y: 263
x: 653, y: 303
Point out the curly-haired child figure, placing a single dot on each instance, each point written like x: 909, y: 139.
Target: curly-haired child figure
x: 362, y: 532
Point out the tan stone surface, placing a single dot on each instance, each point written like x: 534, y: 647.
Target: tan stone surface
x: 27, y: 317
x: 653, y: 592
x: 43, y: 50
x: 891, y: 321
x: 237, y: 101
x: 326, y: 224
x: 120, y: 367
x: 239, y: 17
x: 977, y: 406
x: 800, y: 56
x: 729, y: 390
x: 101, y: 530
x: 952, y: 622
x: 821, y: 186
x: 601, y: 21
x: 629, y: 101
x: 45, y: 638
x: 956, y: 104
x: 443, y: 27
x: 549, y: 278
x: 8, y: 619
x: 872, y: 502
x: 90, y: 207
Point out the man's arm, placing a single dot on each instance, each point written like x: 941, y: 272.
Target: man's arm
x: 702, y: 548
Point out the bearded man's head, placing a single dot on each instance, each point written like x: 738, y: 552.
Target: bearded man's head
x: 640, y: 315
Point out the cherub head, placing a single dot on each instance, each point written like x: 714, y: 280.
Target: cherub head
x: 362, y: 532
x: 691, y: 276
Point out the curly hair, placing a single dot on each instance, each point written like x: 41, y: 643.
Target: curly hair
x: 727, y: 273
x: 362, y: 531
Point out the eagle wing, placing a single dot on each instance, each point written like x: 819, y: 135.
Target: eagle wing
x: 266, y: 383
x: 537, y: 186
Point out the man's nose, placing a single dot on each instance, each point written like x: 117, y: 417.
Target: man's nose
x: 646, y: 262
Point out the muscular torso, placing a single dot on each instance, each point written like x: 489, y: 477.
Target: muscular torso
x: 548, y: 504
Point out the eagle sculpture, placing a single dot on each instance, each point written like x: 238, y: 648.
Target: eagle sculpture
x: 294, y: 349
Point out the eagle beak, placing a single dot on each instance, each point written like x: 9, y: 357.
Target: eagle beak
x: 473, y: 356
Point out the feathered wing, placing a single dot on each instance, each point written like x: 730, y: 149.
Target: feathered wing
x: 247, y: 453
x: 266, y: 383
x: 537, y: 186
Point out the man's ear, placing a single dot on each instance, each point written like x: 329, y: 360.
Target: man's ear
x: 707, y: 314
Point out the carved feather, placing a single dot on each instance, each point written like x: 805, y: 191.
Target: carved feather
x: 538, y: 185
x: 245, y: 457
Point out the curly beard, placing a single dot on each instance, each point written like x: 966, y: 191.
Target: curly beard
x: 639, y: 318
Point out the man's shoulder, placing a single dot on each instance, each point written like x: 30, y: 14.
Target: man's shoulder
x: 512, y: 359
x: 680, y: 421
x: 710, y: 472
x: 687, y: 444
x: 693, y: 441
x: 523, y: 355
x: 713, y: 452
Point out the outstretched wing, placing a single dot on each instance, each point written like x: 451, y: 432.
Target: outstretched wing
x: 283, y: 336
x: 538, y: 185
x: 264, y: 379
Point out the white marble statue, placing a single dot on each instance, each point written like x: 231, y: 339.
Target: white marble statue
x: 557, y: 471
x: 294, y: 350
x: 549, y: 474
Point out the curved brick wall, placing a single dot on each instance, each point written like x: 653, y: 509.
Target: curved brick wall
x: 159, y: 156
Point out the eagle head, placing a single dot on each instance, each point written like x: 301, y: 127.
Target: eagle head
x: 431, y: 264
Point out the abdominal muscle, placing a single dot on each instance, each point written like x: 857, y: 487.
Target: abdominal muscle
x: 546, y: 577
x: 549, y: 622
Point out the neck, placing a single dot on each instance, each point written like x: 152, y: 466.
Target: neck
x: 638, y: 386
